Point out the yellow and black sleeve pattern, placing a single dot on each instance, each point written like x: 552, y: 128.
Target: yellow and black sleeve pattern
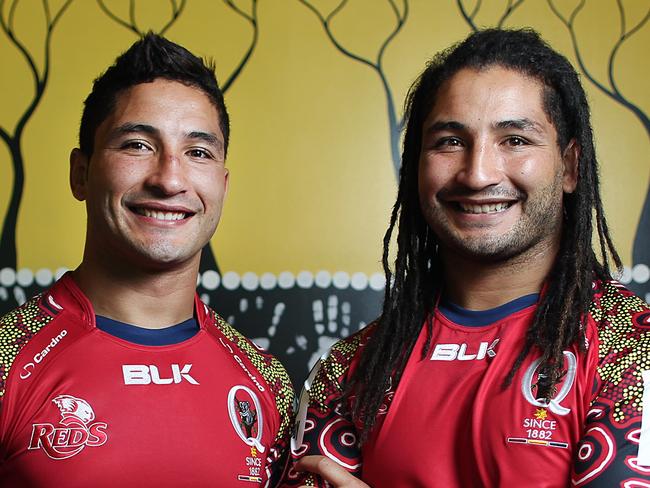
x: 17, y: 328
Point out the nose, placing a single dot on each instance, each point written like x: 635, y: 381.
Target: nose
x: 167, y: 176
x: 481, y: 168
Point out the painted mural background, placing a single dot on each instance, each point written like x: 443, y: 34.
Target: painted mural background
x: 315, y: 91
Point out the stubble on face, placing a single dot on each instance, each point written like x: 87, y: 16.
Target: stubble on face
x: 542, y: 217
x: 491, y: 174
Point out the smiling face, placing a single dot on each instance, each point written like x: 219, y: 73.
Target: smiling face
x: 155, y: 183
x: 491, y: 175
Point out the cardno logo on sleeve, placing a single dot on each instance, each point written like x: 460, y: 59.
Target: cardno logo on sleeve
x: 28, y: 368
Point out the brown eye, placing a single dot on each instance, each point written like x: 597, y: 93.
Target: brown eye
x: 199, y: 154
x: 449, y: 142
x: 135, y: 146
x: 517, y: 141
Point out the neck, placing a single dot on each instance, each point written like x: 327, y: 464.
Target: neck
x: 150, y: 298
x: 479, y: 285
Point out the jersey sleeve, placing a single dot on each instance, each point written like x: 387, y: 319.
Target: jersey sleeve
x: 279, y: 453
x: 615, y: 447
x: 323, y: 426
x: 17, y: 328
x: 281, y: 395
x: 277, y: 462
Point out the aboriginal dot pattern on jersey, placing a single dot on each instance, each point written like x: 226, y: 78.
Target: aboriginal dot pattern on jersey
x: 328, y: 380
x: 271, y: 370
x: 16, y: 329
x: 624, y: 350
x: 311, y: 481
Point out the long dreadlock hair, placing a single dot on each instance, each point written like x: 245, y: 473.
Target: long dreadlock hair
x: 412, y: 289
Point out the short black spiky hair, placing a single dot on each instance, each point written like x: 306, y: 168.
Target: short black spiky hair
x: 150, y: 58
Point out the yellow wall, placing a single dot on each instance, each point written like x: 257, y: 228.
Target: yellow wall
x: 312, y: 180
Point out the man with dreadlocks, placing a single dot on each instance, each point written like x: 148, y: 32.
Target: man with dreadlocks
x: 505, y: 354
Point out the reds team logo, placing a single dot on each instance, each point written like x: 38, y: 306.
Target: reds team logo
x: 531, y: 379
x: 75, y: 431
x: 245, y: 414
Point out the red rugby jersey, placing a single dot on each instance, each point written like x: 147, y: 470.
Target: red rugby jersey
x: 449, y: 423
x: 80, y: 407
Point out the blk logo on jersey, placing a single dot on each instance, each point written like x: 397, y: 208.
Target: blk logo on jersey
x: 463, y: 352
x: 76, y: 430
x: 143, y: 374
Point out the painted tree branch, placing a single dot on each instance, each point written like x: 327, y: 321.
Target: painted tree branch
x: 641, y: 245
x: 376, y: 65
x: 510, y: 8
x: 131, y: 23
x: 13, y: 139
x: 470, y: 17
x: 613, y: 92
x: 208, y: 259
x: 252, y: 19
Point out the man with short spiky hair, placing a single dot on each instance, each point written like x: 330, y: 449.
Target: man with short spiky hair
x: 119, y: 375
x: 505, y: 354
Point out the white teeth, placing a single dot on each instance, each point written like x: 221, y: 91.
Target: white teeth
x: 159, y: 215
x: 485, y: 208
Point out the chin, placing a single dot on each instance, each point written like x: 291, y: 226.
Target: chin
x: 161, y: 257
x: 493, y: 250
x: 482, y: 246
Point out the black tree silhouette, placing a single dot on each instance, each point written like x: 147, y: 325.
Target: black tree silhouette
x: 13, y: 138
x: 208, y: 259
x: 641, y: 246
x: 401, y: 14
x: 132, y: 24
x: 470, y: 16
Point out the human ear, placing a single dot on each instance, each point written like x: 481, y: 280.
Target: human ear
x: 78, y: 174
x: 570, y: 159
x: 226, y: 183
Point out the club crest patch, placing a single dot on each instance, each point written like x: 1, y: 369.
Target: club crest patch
x: 543, y: 425
x: 245, y: 413
x: 533, y: 378
x: 76, y: 430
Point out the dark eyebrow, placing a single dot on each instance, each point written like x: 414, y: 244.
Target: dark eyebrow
x: 445, y: 125
x: 207, y: 137
x: 130, y: 128
x: 521, y: 124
